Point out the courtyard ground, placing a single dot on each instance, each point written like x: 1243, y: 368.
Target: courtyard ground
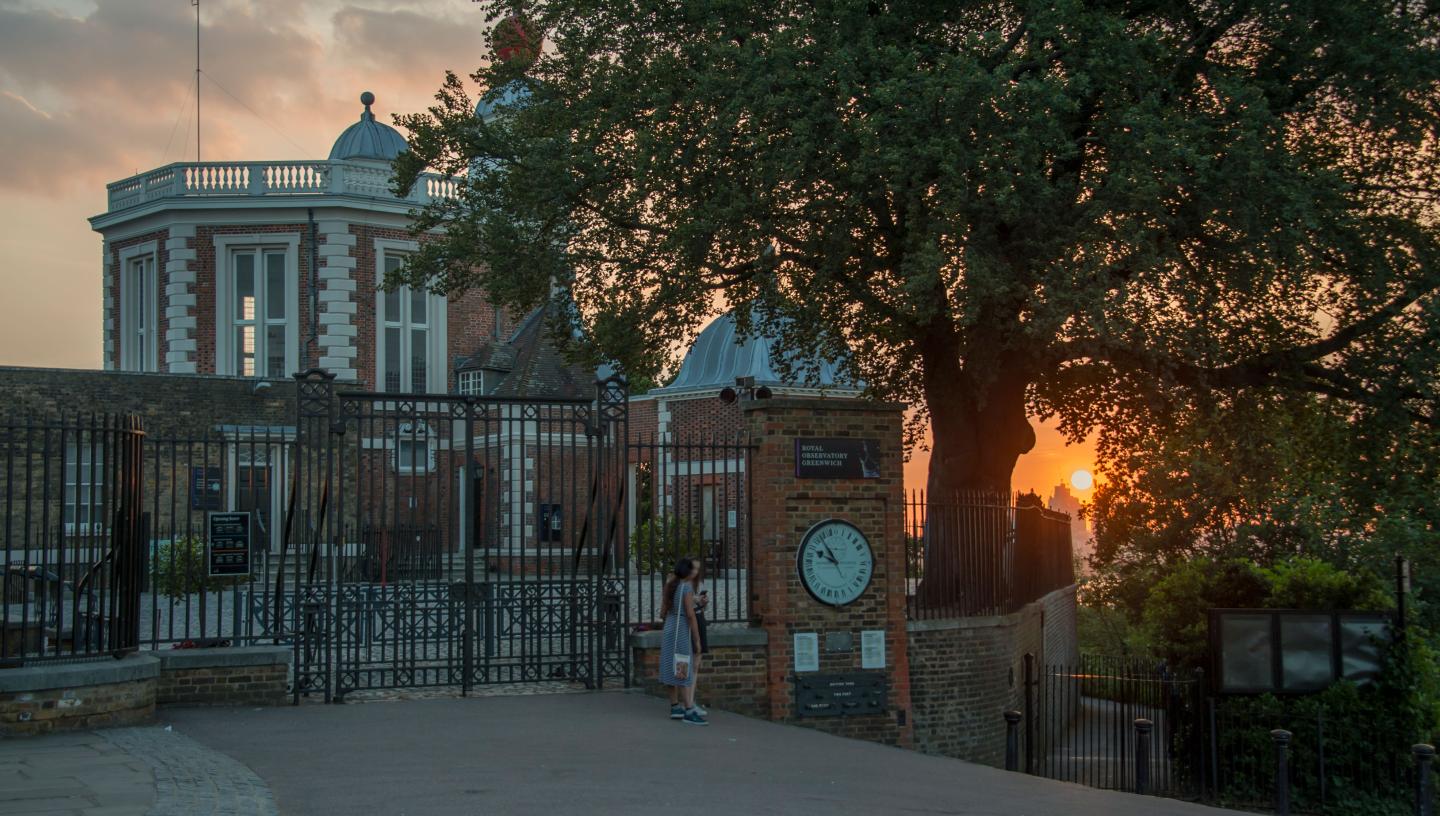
x: 590, y: 753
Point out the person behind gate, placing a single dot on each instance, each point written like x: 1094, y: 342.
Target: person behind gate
x: 680, y: 642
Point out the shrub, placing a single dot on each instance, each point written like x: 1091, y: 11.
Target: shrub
x: 181, y: 569
x: 657, y: 543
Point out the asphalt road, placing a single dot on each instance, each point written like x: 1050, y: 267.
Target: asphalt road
x: 606, y: 753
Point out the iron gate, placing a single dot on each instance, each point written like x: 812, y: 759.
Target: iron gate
x: 443, y: 540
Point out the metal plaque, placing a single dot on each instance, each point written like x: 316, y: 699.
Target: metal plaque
x: 841, y: 458
x: 840, y: 695
x: 229, y: 543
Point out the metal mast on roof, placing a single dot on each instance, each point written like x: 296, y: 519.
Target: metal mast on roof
x: 196, y: 4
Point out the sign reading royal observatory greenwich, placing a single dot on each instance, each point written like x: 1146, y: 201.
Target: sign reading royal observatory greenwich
x: 841, y: 458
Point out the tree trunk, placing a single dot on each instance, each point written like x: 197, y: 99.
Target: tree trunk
x: 978, y: 430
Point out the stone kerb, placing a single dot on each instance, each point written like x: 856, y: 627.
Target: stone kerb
x: 785, y: 506
x: 49, y: 697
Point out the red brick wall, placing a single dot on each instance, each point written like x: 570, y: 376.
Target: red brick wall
x: 966, y: 672
x: 731, y: 678
x: 784, y: 507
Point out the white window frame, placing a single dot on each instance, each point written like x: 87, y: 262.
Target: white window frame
x: 127, y: 358
x: 436, y: 306
x: 77, y: 494
x: 225, y: 245
x: 419, y: 434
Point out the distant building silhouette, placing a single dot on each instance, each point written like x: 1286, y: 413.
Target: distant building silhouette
x: 1063, y: 501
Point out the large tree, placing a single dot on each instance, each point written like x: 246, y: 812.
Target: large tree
x: 989, y: 209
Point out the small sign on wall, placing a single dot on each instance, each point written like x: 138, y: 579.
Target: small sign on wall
x: 229, y: 544
x: 872, y: 649
x: 807, y: 652
x: 838, y: 458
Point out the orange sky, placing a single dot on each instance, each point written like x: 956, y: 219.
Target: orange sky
x: 93, y: 92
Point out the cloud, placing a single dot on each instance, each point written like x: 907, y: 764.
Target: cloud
x: 421, y: 45
x: 89, y: 99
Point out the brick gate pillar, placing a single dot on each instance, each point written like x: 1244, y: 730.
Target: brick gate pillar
x: 784, y: 506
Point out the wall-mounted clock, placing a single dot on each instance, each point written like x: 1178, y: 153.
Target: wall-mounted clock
x: 835, y: 562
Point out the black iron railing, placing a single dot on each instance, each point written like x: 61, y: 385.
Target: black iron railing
x: 72, y: 532
x: 691, y: 498
x: 978, y: 553
x: 1135, y: 725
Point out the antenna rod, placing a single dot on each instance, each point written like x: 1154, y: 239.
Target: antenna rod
x: 196, y: 4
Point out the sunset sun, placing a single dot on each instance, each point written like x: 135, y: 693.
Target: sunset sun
x: 1082, y: 480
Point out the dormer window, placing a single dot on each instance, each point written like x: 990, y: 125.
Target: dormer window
x: 476, y: 382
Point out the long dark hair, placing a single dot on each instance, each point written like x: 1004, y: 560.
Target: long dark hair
x: 682, y: 571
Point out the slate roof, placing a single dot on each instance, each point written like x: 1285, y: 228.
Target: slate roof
x: 532, y: 366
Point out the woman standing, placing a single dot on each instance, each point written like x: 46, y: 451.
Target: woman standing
x: 702, y: 602
x: 680, y: 641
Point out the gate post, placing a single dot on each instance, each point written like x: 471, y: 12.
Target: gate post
x: 1029, y: 713
x: 128, y: 544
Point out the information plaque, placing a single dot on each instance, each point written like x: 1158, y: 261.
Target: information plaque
x: 839, y: 458
x: 229, y: 543
x: 840, y: 695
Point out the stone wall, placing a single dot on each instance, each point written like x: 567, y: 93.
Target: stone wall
x: 966, y: 672
x: 249, y: 676
x: 50, y: 697
x: 732, y: 675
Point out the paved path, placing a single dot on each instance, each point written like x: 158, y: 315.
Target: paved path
x: 73, y: 774
x: 607, y: 753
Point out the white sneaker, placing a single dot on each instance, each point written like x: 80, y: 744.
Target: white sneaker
x: 702, y: 712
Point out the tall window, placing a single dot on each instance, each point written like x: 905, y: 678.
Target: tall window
x: 84, y: 488
x: 259, y: 309
x: 138, y: 324
x: 405, y: 336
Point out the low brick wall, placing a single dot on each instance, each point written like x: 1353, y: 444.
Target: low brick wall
x: 732, y: 675
x: 247, y: 675
x: 966, y: 672
x: 39, y: 699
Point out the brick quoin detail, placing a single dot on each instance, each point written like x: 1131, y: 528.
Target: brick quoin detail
x: 784, y: 507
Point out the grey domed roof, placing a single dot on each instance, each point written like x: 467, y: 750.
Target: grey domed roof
x: 368, y: 138
x: 718, y: 356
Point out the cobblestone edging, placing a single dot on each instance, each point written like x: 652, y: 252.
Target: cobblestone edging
x: 192, y: 780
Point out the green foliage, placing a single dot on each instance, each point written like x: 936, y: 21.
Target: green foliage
x: 1266, y: 478
x: 1113, y: 213
x: 181, y: 569
x: 1176, y: 610
x: 658, y: 543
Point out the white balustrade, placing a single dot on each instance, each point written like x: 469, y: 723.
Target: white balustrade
x: 253, y: 179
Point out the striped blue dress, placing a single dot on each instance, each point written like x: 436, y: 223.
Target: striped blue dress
x: 676, y: 639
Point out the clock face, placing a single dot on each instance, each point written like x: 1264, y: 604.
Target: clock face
x: 835, y: 562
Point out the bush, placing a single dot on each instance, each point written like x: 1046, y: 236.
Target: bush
x: 657, y: 543
x: 181, y: 569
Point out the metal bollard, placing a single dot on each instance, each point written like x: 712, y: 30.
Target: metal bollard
x: 1424, y: 796
x: 1012, y: 740
x: 1143, y: 727
x: 1282, y: 771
